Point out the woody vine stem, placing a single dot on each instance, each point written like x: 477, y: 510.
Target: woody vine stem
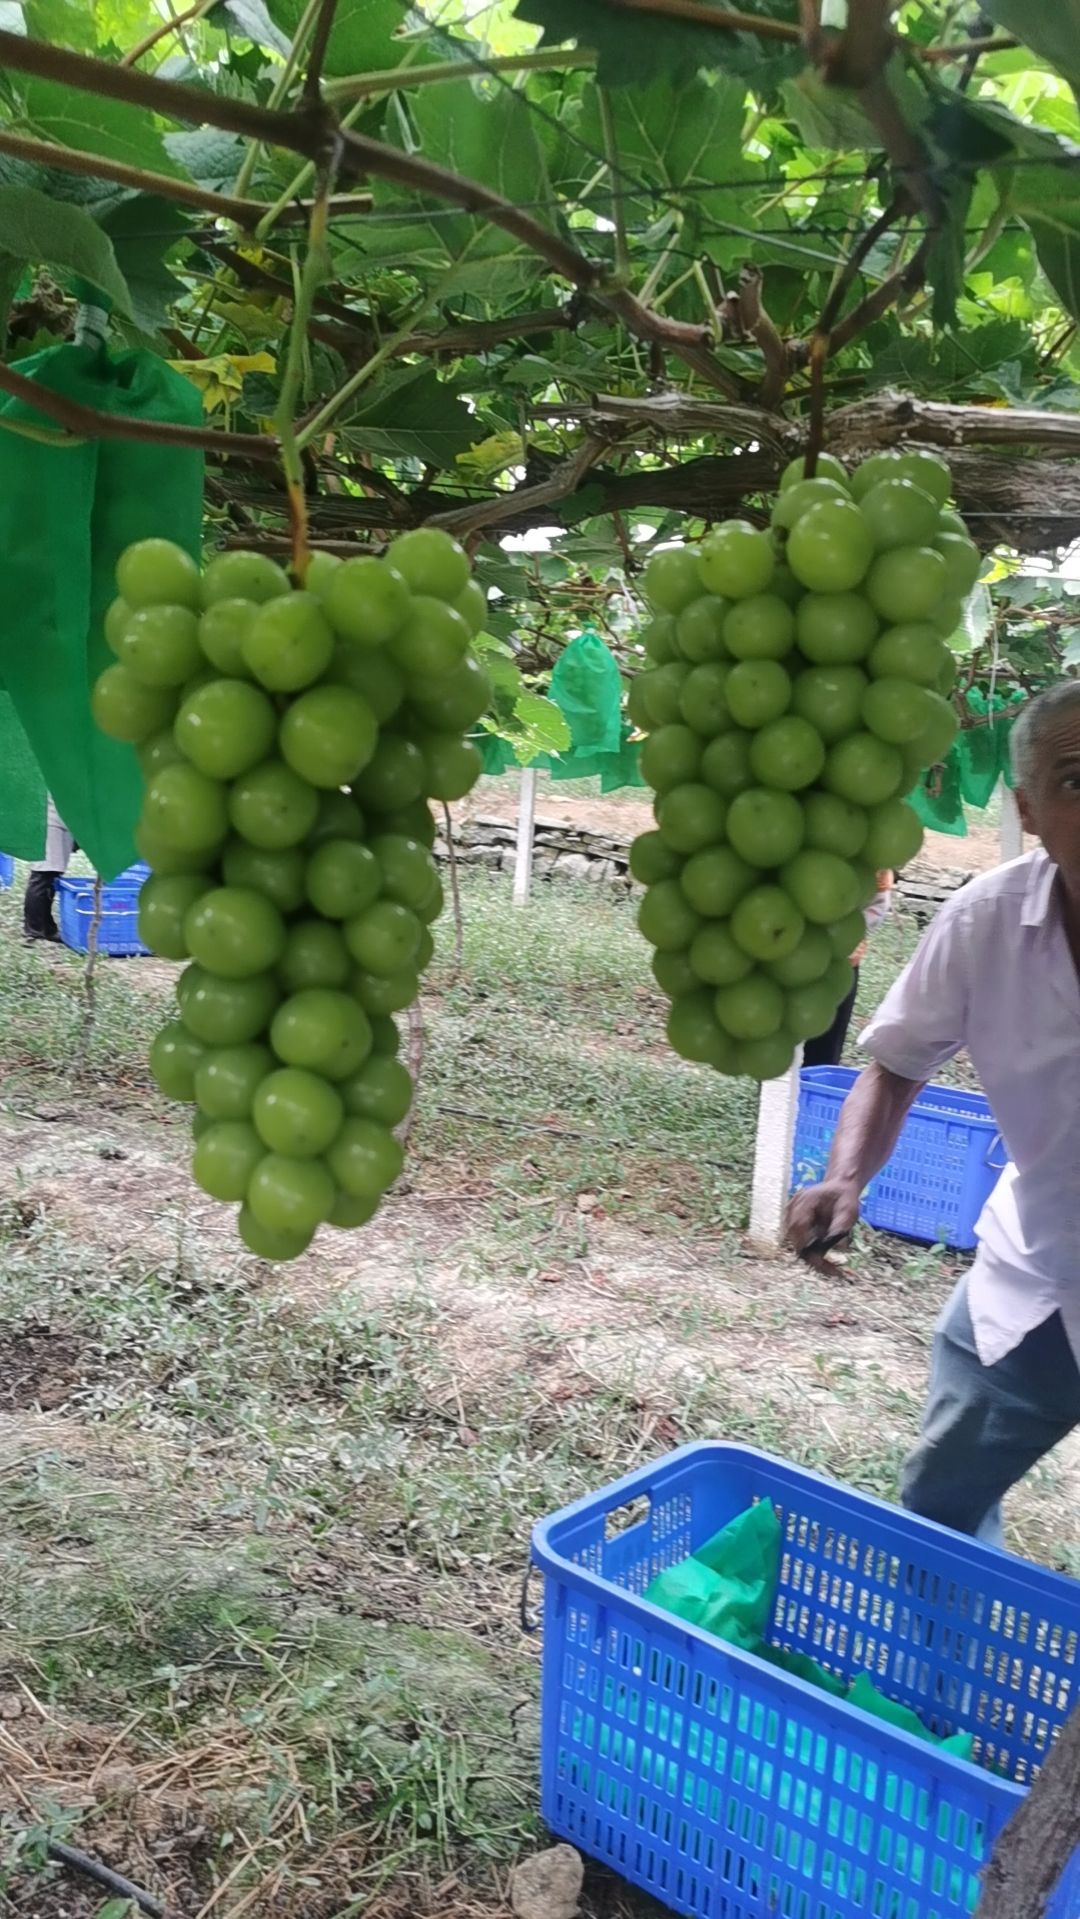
x: 315, y: 270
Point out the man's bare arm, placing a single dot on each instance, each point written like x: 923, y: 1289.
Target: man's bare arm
x: 866, y: 1132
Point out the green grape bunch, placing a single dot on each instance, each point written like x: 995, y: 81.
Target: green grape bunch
x: 798, y: 682
x: 290, y: 741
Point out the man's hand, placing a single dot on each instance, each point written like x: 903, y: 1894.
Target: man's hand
x: 819, y: 1214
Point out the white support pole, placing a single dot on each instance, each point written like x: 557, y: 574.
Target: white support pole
x: 777, y: 1109
x: 1012, y: 833
x: 523, y: 855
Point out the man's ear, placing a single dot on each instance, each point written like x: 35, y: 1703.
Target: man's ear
x: 1023, y: 807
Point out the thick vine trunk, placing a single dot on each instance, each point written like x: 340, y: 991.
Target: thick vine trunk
x: 1030, y: 504
x: 1040, y: 1838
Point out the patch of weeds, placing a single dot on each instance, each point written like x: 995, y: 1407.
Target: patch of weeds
x: 25, y: 1839
x: 42, y: 1011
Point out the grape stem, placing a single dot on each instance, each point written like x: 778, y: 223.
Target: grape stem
x: 367, y: 86
x: 279, y: 90
x: 320, y: 40
x: 320, y: 421
x: 94, y: 166
x: 315, y: 270
x: 175, y: 24
x: 615, y: 176
x: 821, y: 340
x: 858, y: 58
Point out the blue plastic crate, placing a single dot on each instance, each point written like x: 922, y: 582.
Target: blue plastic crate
x: 730, y: 1790
x: 7, y: 870
x: 943, y: 1170
x: 118, y: 930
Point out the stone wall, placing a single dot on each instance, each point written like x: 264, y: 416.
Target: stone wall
x: 561, y: 851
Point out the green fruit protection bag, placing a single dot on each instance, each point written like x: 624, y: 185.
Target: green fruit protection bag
x: 622, y: 768
x: 982, y: 750
x: 586, y: 686
x: 728, y: 1588
x: 66, y: 514
x: 943, y: 809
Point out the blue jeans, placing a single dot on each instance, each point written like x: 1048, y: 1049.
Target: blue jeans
x: 985, y: 1426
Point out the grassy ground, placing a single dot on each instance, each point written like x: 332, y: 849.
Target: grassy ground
x: 262, y: 1532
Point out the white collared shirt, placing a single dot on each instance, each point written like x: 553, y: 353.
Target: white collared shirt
x: 995, y: 975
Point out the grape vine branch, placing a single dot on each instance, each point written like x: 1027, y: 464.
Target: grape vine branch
x: 308, y: 129
x: 752, y: 348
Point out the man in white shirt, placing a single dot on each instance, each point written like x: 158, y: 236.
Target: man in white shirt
x: 38, y: 921
x: 998, y: 973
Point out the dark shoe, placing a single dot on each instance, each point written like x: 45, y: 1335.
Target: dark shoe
x: 38, y: 922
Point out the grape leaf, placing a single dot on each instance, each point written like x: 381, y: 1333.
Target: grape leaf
x: 142, y: 229
x: 950, y: 363
x: 35, y: 228
x: 1052, y: 30
x: 831, y: 117
x: 627, y: 47
x: 414, y: 415
x: 97, y: 196
x: 678, y: 138
x: 208, y: 156
x: 365, y: 37
x: 487, y: 140
x: 62, y: 23
x: 976, y: 621
x: 543, y: 727
x: 121, y: 21
x: 945, y: 258
x: 95, y: 125
x: 984, y: 133
x: 1047, y: 199
x: 253, y: 21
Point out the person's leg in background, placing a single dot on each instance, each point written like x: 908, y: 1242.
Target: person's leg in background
x: 828, y: 1048
x: 984, y: 1427
x: 38, y: 921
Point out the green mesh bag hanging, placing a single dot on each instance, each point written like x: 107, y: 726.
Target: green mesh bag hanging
x: 66, y: 514
x: 982, y: 750
x: 942, y: 810
x: 978, y: 763
x: 586, y: 686
x: 624, y: 767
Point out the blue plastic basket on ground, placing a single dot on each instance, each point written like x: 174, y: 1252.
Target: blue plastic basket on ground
x: 7, y: 870
x: 118, y: 930
x: 941, y: 1174
x: 730, y: 1790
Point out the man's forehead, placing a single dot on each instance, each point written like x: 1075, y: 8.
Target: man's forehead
x: 1062, y: 740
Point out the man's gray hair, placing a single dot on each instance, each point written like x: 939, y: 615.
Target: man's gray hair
x: 1040, y: 717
